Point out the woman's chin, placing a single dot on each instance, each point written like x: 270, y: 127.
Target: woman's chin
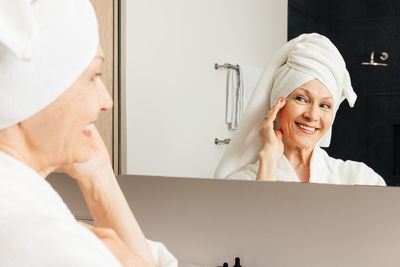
x: 303, y: 143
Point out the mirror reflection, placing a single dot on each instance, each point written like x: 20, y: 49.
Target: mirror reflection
x: 176, y: 100
x: 182, y: 110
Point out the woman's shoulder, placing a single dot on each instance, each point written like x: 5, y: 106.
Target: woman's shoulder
x: 354, y: 172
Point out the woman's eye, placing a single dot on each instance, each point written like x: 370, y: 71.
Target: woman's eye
x: 301, y: 99
x: 326, y: 106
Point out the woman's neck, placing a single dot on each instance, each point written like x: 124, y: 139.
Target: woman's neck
x: 300, y: 159
x: 16, y: 146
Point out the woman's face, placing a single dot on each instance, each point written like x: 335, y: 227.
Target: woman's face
x: 307, y: 115
x: 62, y: 130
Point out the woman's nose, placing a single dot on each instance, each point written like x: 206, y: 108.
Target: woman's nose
x: 105, y: 99
x: 311, y: 114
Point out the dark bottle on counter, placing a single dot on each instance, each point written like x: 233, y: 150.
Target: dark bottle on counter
x: 237, y: 262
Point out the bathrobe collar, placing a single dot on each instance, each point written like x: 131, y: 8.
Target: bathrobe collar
x: 23, y: 187
x: 318, y: 167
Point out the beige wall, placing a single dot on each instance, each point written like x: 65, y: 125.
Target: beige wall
x: 105, y: 123
x: 266, y: 224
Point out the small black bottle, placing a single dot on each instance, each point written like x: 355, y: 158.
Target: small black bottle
x: 237, y: 262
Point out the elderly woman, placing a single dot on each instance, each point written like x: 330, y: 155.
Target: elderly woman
x: 290, y: 116
x: 50, y: 96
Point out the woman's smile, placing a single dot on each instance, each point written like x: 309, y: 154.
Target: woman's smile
x: 306, y: 128
x: 88, y: 129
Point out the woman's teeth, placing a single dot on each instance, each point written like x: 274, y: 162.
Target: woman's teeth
x: 89, y: 127
x: 306, y: 127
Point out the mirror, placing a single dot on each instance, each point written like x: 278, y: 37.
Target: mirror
x: 174, y: 97
x: 175, y: 100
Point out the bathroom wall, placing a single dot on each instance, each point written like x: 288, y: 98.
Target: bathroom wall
x: 209, y: 222
x: 370, y: 132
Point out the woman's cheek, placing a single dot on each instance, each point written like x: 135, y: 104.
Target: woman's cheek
x: 328, y: 120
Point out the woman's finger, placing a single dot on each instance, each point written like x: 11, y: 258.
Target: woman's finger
x: 267, y: 128
x: 282, y: 104
x: 273, y: 112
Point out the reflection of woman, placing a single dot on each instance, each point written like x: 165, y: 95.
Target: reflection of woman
x: 301, y: 90
x: 50, y: 96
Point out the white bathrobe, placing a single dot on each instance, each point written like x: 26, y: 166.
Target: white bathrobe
x: 323, y: 169
x: 37, y: 228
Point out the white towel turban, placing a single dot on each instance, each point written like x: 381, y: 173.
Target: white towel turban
x: 302, y: 59
x: 45, y: 45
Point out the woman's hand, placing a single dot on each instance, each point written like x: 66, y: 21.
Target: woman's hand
x: 105, y: 200
x: 117, y: 247
x: 99, y: 161
x: 272, y: 145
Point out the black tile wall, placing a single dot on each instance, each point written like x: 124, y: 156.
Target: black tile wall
x: 349, y: 38
x: 311, y: 24
x: 324, y: 12
x: 313, y: 7
x: 382, y: 116
x: 297, y: 22
x: 384, y: 36
x: 298, y: 3
x: 396, y: 149
x: 359, y: 85
x: 370, y: 132
x: 346, y: 10
x: 380, y: 80
x: 303, y: 20
x: 352, y: 148
x: 383, y: 8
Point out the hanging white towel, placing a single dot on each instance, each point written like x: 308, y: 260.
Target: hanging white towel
x: 249, y: 77
x: 232, y: 97
x: 241, y: 84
